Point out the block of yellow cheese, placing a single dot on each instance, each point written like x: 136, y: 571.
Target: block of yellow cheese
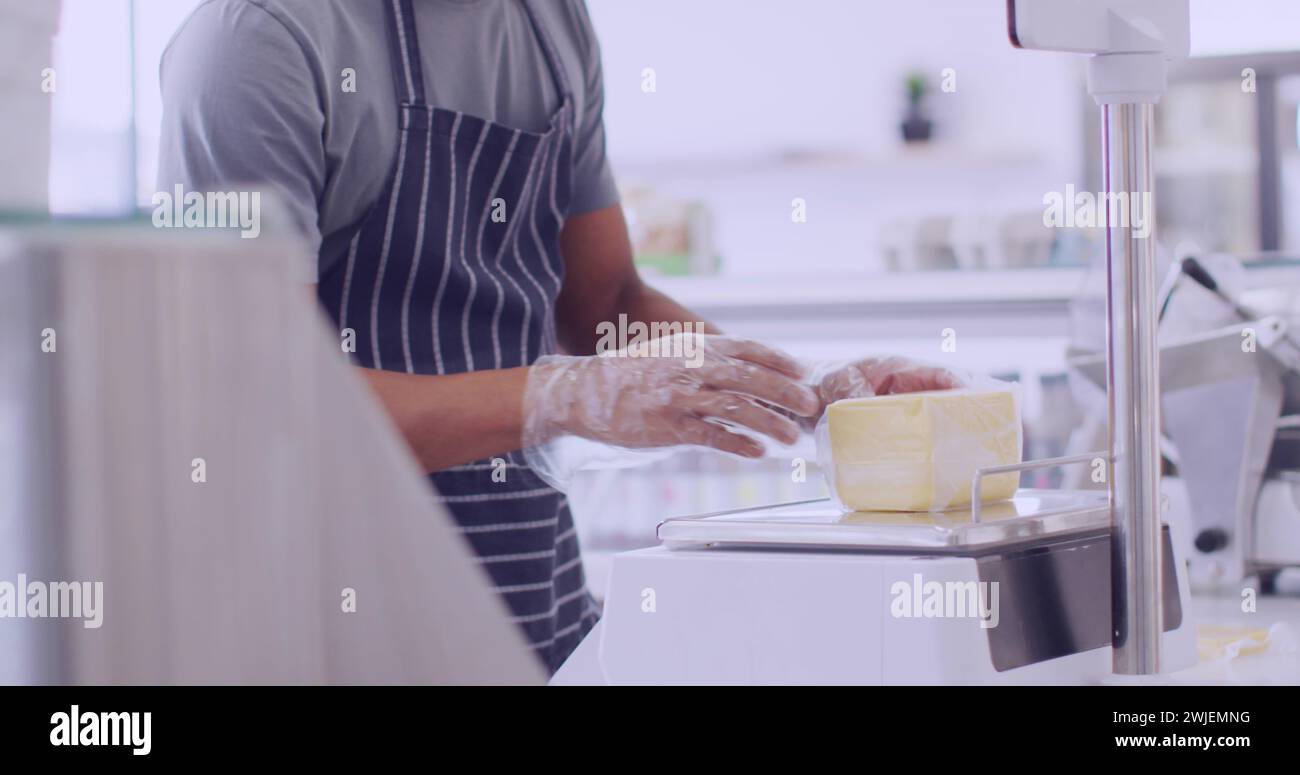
x: 918, y: 451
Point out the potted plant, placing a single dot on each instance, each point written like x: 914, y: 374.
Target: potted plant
x: 916, y: 127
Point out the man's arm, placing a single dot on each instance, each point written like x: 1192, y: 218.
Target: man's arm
x: 457, y: 418
x: 448, y: 420
x: 241, y: 109
x: 600, y: 282
x: 454, y: 419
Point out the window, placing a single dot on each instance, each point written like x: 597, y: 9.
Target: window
x: 107, y: 106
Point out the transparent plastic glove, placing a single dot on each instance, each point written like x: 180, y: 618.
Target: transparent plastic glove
x: 686, y: 389
x: 880, y: 376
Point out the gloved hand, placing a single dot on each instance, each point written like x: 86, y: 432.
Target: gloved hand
x: 881, y: 376
x: 681, y: 389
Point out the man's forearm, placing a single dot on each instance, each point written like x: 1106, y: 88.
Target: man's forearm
x: 601, y: 283
x: 457, y: 418
x: 641, y: 304
x: 647, y: 305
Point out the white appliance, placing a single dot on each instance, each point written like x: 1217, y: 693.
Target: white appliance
x: 1010, y: 593
x: 27, y: 83
x: 1230, y: 396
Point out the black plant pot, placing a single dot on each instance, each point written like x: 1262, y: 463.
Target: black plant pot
x: 917, y: 128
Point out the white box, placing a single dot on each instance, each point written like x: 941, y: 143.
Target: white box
x: 25, y: 151
x: 39, y: 17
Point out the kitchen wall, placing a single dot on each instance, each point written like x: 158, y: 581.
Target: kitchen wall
x: 1244, y: 26
x: 758, y: 102
x: 738, y: 78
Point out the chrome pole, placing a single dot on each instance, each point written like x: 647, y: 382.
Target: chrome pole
x: 1133, y: 377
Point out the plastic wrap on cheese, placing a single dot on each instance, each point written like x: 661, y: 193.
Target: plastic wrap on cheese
x: 918, y: 451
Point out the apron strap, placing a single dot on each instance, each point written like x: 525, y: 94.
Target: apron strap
x: 408, y: 67
x: 549, y: 51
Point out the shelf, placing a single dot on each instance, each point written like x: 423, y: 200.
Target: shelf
x: 726, y: 293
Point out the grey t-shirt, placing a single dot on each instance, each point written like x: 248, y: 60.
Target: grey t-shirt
x: 255, y: 93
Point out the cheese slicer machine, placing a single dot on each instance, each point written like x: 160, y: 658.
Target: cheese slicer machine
x: 1049, y: 587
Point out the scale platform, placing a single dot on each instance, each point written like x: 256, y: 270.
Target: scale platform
x: 1031, y: 516
x: 803, y: 593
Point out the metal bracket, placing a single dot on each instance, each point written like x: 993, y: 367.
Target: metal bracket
x: 1028, y: 465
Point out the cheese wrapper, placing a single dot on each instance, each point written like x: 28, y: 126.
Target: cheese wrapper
x: 918, y: 451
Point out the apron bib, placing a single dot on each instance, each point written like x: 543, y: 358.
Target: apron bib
x: 456, y: 267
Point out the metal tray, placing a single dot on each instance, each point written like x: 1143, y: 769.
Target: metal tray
x: 1032, y: 515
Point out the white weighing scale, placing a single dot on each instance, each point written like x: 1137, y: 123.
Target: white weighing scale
x: 1050, y: 587
x: 803, y: 593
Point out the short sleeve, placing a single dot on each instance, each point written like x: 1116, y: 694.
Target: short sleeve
x: 594, y: 186
x: 240, y: 109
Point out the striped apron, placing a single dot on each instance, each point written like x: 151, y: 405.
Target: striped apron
x: 457, y: 267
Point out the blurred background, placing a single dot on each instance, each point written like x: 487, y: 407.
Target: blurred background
x: 835, y: 177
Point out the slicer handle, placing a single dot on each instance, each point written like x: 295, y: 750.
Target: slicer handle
x: 1193, y: 269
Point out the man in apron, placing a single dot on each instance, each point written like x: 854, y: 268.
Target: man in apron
x: 446, y: 160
